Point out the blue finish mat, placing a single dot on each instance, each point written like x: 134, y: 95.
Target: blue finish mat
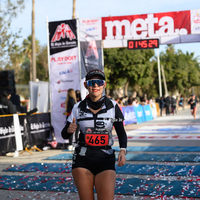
x: 166, y: 170
x: 129, y: 186
x: 158, y: 149
x: 161, y: 148
x: 143, y: 157
x: 159, y: 188
x: 42, y: 167
x: 38, y: 183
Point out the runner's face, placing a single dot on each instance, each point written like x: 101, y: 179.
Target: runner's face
x: 95, y: 91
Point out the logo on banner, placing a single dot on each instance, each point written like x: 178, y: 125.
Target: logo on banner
x: 151, y: 26
x: 197, y: 18
x: 65, y: 71
x: 91, y: 56
x: 64, y: 81
x: 63, y: 105
x: 63, y: 58
x: 92, y: 49
x: 59, y: 91
x: 90, y: 21
x: 63, y: 31
x: 91, y: 29
x: 62, y: 98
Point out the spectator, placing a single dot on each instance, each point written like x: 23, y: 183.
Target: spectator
x: 7, y: 105
x: 135, y: 103
x: 181, y: 102
x: 173, y: 104
x: 69, y: 103
x: 130, y: 100
x: 167, y: 104
x: 78, y: 96
x: 125, y: 101
x: 161, y: 105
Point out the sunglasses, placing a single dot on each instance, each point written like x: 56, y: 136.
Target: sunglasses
x: 97, y: 81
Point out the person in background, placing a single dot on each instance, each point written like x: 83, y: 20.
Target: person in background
x: 93, y: 163
x: 8, y: 105
x: 120, y: 102
x: 78, y: 96
x: 193, y: 105
x: 173, y: 104
x: 181, y: 102
x: 125, y: 101
x: 130, y: 100
x: 161, y: 105
x: 69, y: 103
x: 167, y: 104
x: 135, y: 103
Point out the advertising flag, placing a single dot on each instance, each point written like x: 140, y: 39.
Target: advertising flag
x: 64, y: 69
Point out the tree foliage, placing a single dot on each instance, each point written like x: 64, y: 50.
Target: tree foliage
x: 124, y: 67
x: 8, y: 10
x: 20, y: 61
x: 138, y: 70
x: 182, y: 71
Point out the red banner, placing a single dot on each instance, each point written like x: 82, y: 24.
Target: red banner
x: 146, y: 25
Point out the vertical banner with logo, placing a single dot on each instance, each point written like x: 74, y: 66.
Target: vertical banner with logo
x: 91, y: 46
x: 64, y: 69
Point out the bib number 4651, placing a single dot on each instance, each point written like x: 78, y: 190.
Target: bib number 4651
x: 96, y: 139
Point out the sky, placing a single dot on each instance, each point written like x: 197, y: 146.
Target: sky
x: 56, y: 10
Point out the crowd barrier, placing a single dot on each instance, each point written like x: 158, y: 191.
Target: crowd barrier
x: 14, y: 126
x: 16, y: 131
x: 139, y: 114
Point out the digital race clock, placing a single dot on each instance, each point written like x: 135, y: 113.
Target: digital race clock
x: 143, y: 44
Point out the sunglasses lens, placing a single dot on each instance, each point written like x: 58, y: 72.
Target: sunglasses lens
x: 98, y: 82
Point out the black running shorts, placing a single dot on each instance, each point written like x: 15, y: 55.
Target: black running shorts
x: 95, y: 159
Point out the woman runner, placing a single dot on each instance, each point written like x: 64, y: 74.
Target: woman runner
x: 94, y: 160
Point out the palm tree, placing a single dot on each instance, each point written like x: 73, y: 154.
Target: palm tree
x: 27, y: 49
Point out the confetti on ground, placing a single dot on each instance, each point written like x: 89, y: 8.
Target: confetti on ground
x: 132, y: 186
x: 142, y: 169
x: 143, y: 157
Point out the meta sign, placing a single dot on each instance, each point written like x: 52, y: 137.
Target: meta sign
x: 143, y: 44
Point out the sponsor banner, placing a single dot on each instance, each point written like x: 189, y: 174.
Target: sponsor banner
x: 147, y: 113
x: 7, y: 135
x: 65, y: 61
x: 169, y: 27
x: 195, y: 21
x: 40, y: 129
x: 62, y: 35
x: 154, y: 110
x: 129, y: 115
x: 64, y: 69
x: 91, y: 58
x: 139, y: 113
x: 90, y: 29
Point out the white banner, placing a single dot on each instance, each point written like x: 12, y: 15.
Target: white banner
x: 90, y: 29
x: 64, y: 76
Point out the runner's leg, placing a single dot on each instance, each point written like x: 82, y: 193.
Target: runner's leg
x: 105, y: 184
x: 194, y: 112
x: 84, y: 181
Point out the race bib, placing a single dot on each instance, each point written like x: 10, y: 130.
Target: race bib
x: 96, y: 137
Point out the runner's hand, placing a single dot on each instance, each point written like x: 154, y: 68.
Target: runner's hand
x: 72, y: 127
x: 121, y: 158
